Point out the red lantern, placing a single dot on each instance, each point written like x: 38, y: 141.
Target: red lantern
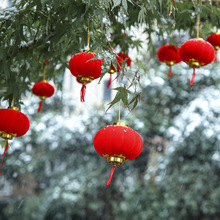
x: 13, y: 123
x: 120, y: 58
x: 169, y: 54
x: 214, y: 40
x: 197, y: 53
x: 117, y: 143
x: 84, y: 69
x: 44, y: 90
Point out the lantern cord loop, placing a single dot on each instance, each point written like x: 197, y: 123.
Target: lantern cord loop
x: 109, y: 81
x: 111, y: 175
x: 198, y: 16
x: 44, y: 72
x: 119, y: 111
x: 170, y: 72
x: 40, y: 106
x: 193, y: 77
x: 83, y: 92
x: 3, y: 156
x: 197, y: 29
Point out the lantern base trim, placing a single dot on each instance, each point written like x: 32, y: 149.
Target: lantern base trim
x: 84, y: 79
x: 111, y: 71
x: 116, y: 159
x: 15, y: 108
x: 6, y: 135
x: 120, y: 124
x: 42, y: 97
x: 193, y: 63
x: 170, y: 63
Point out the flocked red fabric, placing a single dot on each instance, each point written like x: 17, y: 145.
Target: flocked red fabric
x: 114, y: 139
x: 214, y: 39
x: 168, y: 53
x: 43, y: 89
x: 14, y: 122
x: 81, y: 65
x: 200, y: 50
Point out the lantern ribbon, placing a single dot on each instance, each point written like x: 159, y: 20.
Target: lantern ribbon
x: 40, y: 106
x: 83, y: 92
x: 3, y: 156
x: 215, y: 58
x: 109, y: 81
x: 193, y: 77
x: 111, y: 175
x: 170, y: 72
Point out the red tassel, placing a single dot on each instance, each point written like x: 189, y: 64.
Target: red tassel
x: 3, y: 156
x: 109, y: 81
x: 83, y: 92
x: 40, y: 106
x: 193, y: 77
x: 170, y: 72
x: 110, y: 177
x: 215, y: 58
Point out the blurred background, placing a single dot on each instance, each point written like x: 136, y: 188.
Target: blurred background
x: 54, y: 172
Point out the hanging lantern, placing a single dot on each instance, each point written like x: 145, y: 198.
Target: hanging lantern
x: 43, y: 89
x: 120, y: 58
x: 84, y: 69
x: 169, y: 54
x: 117, y: 143
x: 197, y: 53
x: 214, y: 40
x: 13, y: 123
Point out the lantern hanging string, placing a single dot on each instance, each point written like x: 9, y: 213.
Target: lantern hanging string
x: 119, y: 111
x: 198, y: 17
x: 88, y: 36
x: 44, y: 72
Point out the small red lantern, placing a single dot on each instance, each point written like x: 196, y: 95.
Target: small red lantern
x: 13, y: 123
x: 120, y: 58
x: 197, y: 53
x: 214, y: 40
x: 84, y: 69
x: 43, y: 89
x: 117, y: 143
x: 169, y: 54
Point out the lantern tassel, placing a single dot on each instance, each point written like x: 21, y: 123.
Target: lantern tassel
x: 193, y: 77
x: 83, y: 92
x: 109, y: 81
x: 170, y: 72
x: 215, y: 58
x: 3, y: 156
x: 111, y: 175
x: 40, y: 106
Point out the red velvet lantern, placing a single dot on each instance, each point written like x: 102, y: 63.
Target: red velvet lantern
x: 84, y: 69
x: 197, y: 53
x: 169, y: 54
x: 120, y: 58
x: 117, y: 143
x: 44, y: 90
x: 214, y: 40
x: 13, y: 123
